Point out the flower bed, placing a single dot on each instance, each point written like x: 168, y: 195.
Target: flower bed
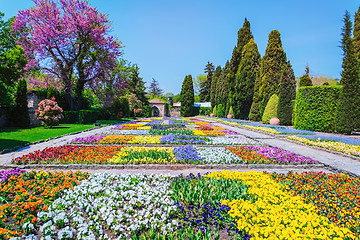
x: 331, y: 145
x: 268, y: 155
x: 23, y: 196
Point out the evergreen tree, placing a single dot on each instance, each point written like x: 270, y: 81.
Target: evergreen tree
x: 213, y: 93
x: 305, y: 79
x: 222, y: 89
x: 254, y: 114
x: 287, y: 93
x: 21, y: 113
x: 154, y: 88
x: 187, y: 97
x: 271, y: 69
x: 205, y: 87
x: 246, y: 75
x: 348, y: 110
x: 137, y: 85
x: 356, y: 38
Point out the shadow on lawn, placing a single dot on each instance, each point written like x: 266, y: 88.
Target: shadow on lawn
x: 10, y: 144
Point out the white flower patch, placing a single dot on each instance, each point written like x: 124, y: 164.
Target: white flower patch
x: 216, y: 155
x: 110, y: 206
x: 232, y: 140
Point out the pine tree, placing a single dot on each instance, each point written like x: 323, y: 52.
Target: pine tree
x: 187, y: 97
x: 154, y: 88
x: 305, y: 79
x: 246, y: 75
x: 287, y: 93
x: 271, y: 69
x: 21, y: 112
x: 348, y: 109
x: 205, y: 87
x: 215, y: 78
x: 137, y: 84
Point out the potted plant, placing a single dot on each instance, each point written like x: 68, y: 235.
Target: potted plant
x: 231, y: 113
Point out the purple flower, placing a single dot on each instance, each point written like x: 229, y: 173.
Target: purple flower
x: 6, y: 174
x: 88, y: 139
x: 187, y: 154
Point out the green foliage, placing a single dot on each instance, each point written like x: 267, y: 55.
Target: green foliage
x: 246, y: 76
x: 222, y: 90
x: 119, y: 108
x: 305, y: 79
x: 215, y: 111
x: 70, y: 117
x: 198, y: 82
x: 146, y: 111
x: 348, y: 111
x: 231, y: 111
x: 315, y: 108
x: 271, y: 109
x: 136, y: 84
x: 356, y: 38
x: 20, y: 114
x: 215, y: 78
x: 60, y: 97
x: 154, y: 88
x: 205, y: 111
x: 287, y: 94
x: 187, y: 97
x: 271, y: 69
x: 205, y: 86
x: 88, y: 116
x: 220, y: 111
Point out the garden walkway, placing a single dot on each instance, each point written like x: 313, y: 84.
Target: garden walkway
x: 333, y: 162
x: 336, y: 161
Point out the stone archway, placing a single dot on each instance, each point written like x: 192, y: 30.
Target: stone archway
x: 155, y: 112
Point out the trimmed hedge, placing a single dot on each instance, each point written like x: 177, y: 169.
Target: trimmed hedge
x: 88, y: 116
x: 315, y: 108
x: 70, y: 117
x: 270, y: 109
x: 220, y: 111
x: 205, y: 111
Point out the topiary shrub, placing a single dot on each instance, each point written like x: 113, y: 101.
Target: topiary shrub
x: 215, y: 111
x: 315, y: 108
x: 270, y: 109
x: 220, y: 111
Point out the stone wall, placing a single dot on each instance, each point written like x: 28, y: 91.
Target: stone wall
x: 33, y: 102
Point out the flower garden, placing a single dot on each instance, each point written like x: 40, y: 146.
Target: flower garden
x: 217, y: 205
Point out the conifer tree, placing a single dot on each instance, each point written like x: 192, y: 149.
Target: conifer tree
x: 356, y: 38
x: 348, y: 109
x: 215, y: 78
x: 271, y: 69
x: 222, y: 89
x: 21, y: 113
x: 187, y: 97
x: 254, y: 114
x: 287, y: 93
x: 305, y: 79
x: 205, y: 87
x: 246, y: 75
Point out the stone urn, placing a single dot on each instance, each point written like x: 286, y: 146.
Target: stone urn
x: 212, y: 115
x: 229, y: 116
x: 274, y: 121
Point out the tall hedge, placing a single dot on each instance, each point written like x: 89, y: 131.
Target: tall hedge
x: 315, y: 108
x: 20, y: 114
x: 271, y: 109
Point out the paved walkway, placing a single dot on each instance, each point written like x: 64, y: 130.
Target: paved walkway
x: 335, y: 161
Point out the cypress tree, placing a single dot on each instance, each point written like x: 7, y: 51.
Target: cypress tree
x: 254, y: 114
x: 348, y: 109
x: 215, y: 78
x: 287, y: 93
x: 271, y: 69
x: 205, y: 88
x: 187, y: 97
x: 222, y: 90
x: 356, y: 38
x: 21, y: 113
x: 246, y: 75
x: 305, y: 79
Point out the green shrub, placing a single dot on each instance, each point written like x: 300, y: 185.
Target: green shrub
x: 146, y: 111
x: 195, y: 111
x: 20, y: 113
x: 270, y: 109
x: 215, y: 111
x: 70, y: 117
x: 88, y: 116
x: 315, y: 108
x: 119, y: 108
x: 220, y: 111
x: 205, y: 111
x: 231, y: 111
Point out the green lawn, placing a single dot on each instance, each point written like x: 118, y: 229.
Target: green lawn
x: 13, y: 137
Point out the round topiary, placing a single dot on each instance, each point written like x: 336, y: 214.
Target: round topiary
x: 271, y: 109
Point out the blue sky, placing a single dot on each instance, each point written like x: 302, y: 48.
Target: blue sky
x: 171, y: 39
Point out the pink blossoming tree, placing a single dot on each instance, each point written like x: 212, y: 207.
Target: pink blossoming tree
x: 69, y: 39
x: 49, y: 112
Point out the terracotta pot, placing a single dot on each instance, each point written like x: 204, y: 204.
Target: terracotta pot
x: 211, y: 114
x: 229, y: 116
x: 274, y: 121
